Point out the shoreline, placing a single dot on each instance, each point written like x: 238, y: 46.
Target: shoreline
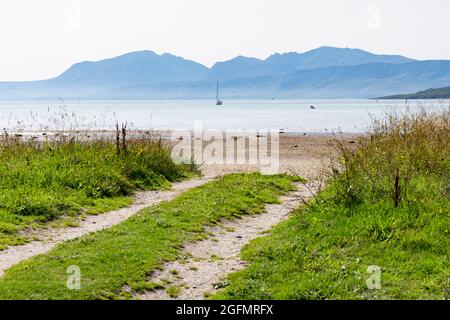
x: 165, y: 134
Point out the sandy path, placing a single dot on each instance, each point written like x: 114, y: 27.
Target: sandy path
x: 47, y: 239
x: 213, y: 259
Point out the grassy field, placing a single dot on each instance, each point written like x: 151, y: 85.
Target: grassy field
x: 41, y: 181
x: 386, y: 205
x: 122, y: 256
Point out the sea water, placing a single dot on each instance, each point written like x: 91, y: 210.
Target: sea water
x: 295, y: 116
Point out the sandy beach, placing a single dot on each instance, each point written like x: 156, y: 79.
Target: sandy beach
x: 304, y: 155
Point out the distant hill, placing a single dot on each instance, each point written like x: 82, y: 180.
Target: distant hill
x: 133, y: 68
x: 325, y: 72
x: 278, y: 64
x: 366, y: 80
x: 88, y: 78
x: 331, y: 57
x: 360, y: 81
x: 440, y: 93
x: 239, y: 67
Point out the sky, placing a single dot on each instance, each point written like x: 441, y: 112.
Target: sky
x: 41, y: 39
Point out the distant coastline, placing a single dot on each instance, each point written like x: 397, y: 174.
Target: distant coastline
x: 430, y: 94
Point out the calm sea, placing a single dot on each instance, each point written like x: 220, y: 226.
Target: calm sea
x: 289, y: 115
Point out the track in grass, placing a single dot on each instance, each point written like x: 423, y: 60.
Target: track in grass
x: 50, y: 237
x: 124, y: 255
x: 208, y: 262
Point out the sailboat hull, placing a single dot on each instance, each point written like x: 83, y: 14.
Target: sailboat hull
x: 218, y: 102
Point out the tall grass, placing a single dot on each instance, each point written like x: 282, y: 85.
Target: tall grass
x: 402, y: 153
x: 42, y: 180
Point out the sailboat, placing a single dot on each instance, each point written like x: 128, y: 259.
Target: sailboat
x: 218, y: 101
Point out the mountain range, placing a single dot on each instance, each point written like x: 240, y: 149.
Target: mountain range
x: 326, y: 72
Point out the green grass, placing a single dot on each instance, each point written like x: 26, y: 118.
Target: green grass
x: 365, y: 218
x: 173, y: 291
x: 42, y: 181
x: 125, y: 254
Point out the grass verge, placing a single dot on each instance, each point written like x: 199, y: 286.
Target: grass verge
x: 123, y: 256
x: 40, y: 181
x: 387, y: 205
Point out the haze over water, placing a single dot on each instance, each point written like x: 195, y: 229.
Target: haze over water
x: 295, y: 116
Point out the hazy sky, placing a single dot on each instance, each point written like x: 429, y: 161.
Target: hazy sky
x: 40, y: 39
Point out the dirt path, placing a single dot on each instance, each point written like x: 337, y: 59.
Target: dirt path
x: 213, y: 259
x: 49, y: 238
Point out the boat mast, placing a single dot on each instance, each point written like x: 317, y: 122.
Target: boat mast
x: 218, y: 102
x: 217, y: 91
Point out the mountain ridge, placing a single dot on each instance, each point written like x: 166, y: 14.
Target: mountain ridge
x: 325, y: 72
x: 329, y: 82
x: 282, y: 63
